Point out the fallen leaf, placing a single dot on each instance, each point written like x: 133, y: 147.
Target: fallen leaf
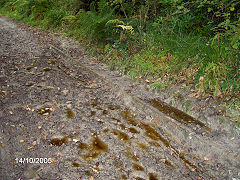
x: 58, y: 154
x: 192, y: 95
x: 113, y: 157
x: 91, y: 178
x: 47, y: 118
x: 14, y: 164
x: 30, y: 147
x: 96, y: 170
x: 199, y: 94
x: 34, y: 143
x: 135, y: 175
x: 53, y: 107
x: 52, y: 160
x: 5, y: 92
x: 45, y: 136
x: 21, y: 141
x: 2, y: 145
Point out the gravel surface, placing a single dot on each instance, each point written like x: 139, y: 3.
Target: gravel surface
x: 66, y: 116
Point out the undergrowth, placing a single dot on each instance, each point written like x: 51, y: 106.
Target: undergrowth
x: 192, y: 42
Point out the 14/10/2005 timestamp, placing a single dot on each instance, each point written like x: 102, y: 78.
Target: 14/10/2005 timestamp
x: 33, y: 160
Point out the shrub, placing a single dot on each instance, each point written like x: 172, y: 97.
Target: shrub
x: 55, y: 17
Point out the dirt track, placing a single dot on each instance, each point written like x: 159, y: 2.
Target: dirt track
x: 64, y: 116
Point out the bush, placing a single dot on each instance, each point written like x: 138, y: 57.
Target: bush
x: 55, y: 17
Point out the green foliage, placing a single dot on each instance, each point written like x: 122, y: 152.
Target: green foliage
x: 56, y: 16
x: 213, y: 76
x: 3, y: 2
x: 28, y: 7
x: 151, y: 38
x: 158, y: 85
x: 93, y: 24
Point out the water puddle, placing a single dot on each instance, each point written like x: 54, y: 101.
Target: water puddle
x: 124, y: 177
x: 83, y: 146
x: 114, y: 119
x: 152, y: 176
x: 47, y: 69
x: 29, y: 84
x: 92, y: 113
x: 133, y: 130
x: 168, y: 163
x: 178, y: 115
x: 137, y: 167
x: 154, y: 143
x: 113, y: 107
x: 29, y: 68
x: 131, y: 155
x: 129, y: 117
x: 59, y: 142
x: 105, y: 131
x: 104, y: 112
x: 95, y: 149
x: 48, y: 89
x: 121, y: 135
x: 75, y: 164
x: 139, y: 178
x: 154, y: 135
x: 141, y: 145
x: 123, y: 127
x: 70, y: 113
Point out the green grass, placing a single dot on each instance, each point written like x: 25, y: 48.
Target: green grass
x: 163, y: 51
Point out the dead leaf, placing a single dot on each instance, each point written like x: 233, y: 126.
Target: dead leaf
x: 206, y: 159
x: 45, y: 136
x: 30, y: 147
x: 21, y: 141
x: 47, y: 118
x: 91, y: 178
x: 52, y: 160
x: 34, y: 143
x: 2, y: 145
x: 113, y: 157
x: 192, y: 95
x: 135, y: 175
x: 53, y: 107
x: 96, y: 170
x: 199, y: 93
x: 58, y: 154
x: 5, y: 92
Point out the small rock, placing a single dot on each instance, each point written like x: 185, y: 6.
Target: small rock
x: 69, y: 106
x: 65, y: 92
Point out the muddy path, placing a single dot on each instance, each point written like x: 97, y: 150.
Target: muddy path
x: 66, y: 116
